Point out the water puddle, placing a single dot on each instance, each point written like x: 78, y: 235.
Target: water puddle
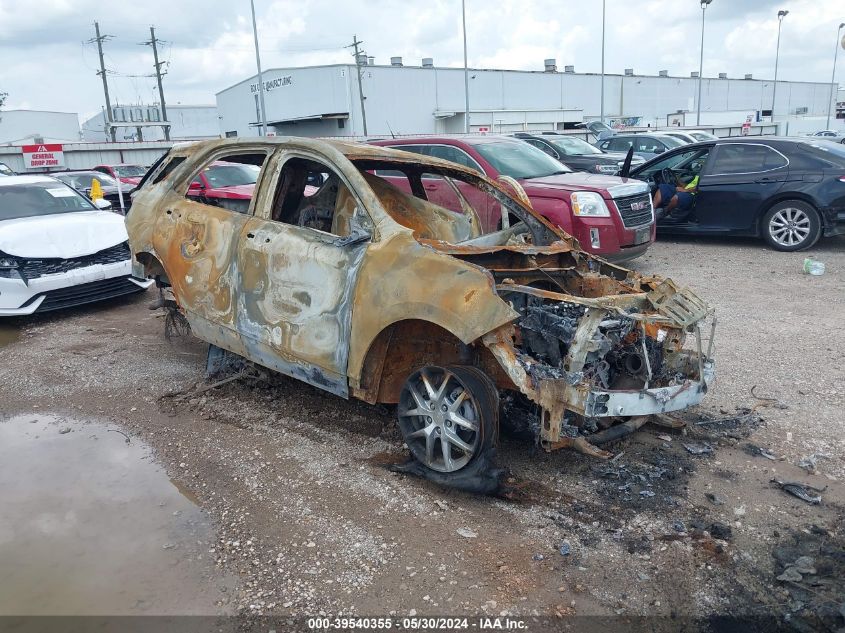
x: 90, y: 525
x: 8, y: 334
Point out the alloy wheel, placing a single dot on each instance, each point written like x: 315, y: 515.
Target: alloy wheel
x: 789, y: 226
x: 440, y: 419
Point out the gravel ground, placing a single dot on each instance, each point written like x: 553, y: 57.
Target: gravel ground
x: 311, y: 521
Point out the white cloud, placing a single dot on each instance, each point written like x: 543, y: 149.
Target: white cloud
x: 209, y: 42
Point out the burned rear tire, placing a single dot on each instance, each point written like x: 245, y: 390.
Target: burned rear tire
x: 448, y: 416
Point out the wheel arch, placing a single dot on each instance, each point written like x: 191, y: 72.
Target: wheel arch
x: 400, y: 348
x: 153, y: 267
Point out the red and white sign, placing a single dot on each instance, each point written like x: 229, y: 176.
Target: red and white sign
x: 44, y: 155
x: 746, y: 127
x: 483, y: 129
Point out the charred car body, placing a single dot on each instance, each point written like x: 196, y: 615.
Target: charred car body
x: 364, y: 290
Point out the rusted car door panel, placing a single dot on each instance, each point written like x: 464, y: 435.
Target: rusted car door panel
x: 199, y: 243
x: 295, y: 294
x: 401, y: 279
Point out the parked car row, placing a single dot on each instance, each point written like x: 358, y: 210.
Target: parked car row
x: 788, y: 191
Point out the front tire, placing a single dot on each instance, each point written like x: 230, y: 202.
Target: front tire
x: 448, y: 416
x: 791, y: 225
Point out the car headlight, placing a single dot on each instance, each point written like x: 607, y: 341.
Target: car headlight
x: 606, y: 169
x: 7, y: 263
x: 589, y: 204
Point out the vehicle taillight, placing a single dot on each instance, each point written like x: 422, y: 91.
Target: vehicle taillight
x: 841, y: 178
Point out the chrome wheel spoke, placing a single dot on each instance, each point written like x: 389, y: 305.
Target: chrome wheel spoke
x: 429, y: 447
x: 453, y: 438
x: 429, y: 388
x: 446, y: 448
x: 460, y: 420
x: 421, y: 403
x: 423, y: 432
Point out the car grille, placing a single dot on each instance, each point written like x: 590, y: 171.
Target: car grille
x: 34, y: 268
x: 635, y: 210
x: 85, y: 293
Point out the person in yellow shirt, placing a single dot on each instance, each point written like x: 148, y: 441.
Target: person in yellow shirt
x: 679, y: 199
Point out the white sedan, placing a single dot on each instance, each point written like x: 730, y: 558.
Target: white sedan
x: 837, y: 136
x: 58, y: 249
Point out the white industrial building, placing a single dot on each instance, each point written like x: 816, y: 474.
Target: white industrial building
x: 144, y: 123
x: 21, y: 127
x: 426, y: 99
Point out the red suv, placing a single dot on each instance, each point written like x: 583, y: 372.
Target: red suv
x: 611, y: 216
x: 129, y: 174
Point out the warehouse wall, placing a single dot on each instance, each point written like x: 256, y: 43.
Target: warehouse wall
x: 17, y: 125
x: 405, y: 99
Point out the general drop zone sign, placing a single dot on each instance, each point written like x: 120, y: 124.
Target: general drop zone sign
x: 45, y: 155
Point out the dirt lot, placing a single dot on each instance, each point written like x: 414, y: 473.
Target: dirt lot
x: 310, y: 520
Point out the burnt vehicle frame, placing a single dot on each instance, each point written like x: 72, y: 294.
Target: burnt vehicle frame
x: 399, y: 301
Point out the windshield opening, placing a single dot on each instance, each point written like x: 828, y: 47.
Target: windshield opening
x: 84, y: 180
x: 130, y: 171
x: 573, y: 146
x: 440, y: 204
x: 231, y: 175
x: 520, y: 160
x: 40, y: 198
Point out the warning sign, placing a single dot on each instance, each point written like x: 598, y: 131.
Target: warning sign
x: 44, y: 155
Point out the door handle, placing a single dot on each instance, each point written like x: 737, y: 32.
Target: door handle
x: 430, y: 187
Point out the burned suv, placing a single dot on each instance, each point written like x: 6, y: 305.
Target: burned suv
x: 368, y: 290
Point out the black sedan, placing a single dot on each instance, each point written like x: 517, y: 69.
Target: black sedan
x: 789, y: 191
x: 578, y: 154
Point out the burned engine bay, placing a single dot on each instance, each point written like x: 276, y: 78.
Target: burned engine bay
x: 597, y: 348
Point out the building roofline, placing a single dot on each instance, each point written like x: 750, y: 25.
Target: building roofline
x: 7, y: 111
x: 254, y: 77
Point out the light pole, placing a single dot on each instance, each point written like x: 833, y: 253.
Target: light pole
x: 466, y: 70
x: 603, y: 7
x: 833, y: 74
x: 704, y: 4
x: 781, y: 15
x: 258, y: 64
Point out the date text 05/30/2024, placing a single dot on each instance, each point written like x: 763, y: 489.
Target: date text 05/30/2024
x: 417, y: 624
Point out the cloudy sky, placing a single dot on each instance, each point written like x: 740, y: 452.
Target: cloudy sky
x: 48, y: 63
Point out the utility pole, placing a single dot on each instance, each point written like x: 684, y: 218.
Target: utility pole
x: 704, y: 4
x: 833, y: 74
x: 258, y: 64
x: 603, y: 11
x: 466, y: 69
x: 102, y: 72
x: 359, y: 71
x: 781, y: 15
x: 152, y: 42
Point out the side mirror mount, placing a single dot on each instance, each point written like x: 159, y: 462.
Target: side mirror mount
x: 102, y: 204
x: 659, y: 150
x: 195, y: 185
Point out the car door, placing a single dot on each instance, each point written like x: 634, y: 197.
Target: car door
x: 298, y: 270
x: 736, y: 183
x: 440, y: 192
x: 198, y: 243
